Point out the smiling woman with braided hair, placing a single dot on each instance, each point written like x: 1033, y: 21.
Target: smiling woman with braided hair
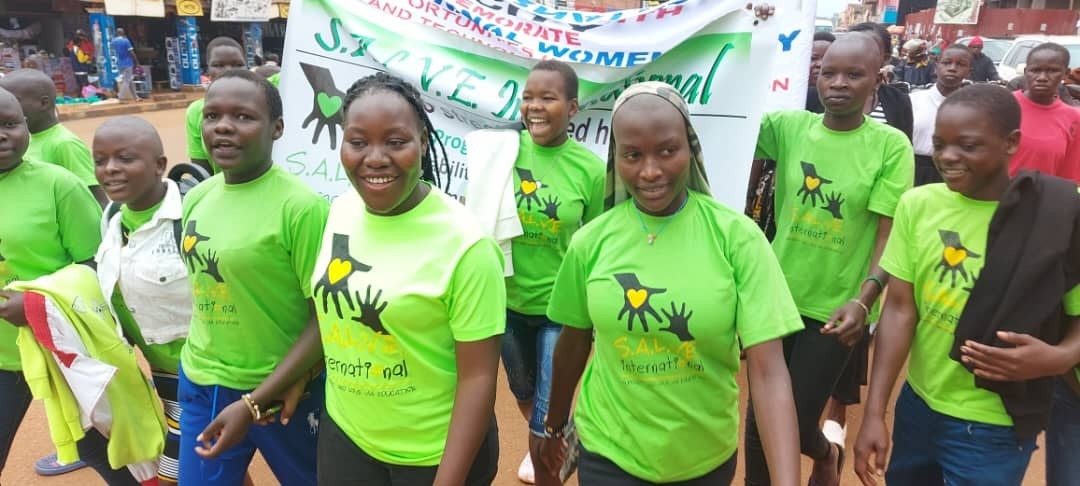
x: 410, y: 302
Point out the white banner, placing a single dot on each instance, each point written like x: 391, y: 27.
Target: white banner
x: 240, y: 10
x: 141, y: 8
x: 470, y: 59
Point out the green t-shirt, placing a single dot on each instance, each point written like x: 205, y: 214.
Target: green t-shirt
x: 655, y: 373
x: 938, y: 244
x: 250, y: 249
x: 557, y: 190
x: 60, y: 146
x: 53, y: 223
x: 831, y: 187
x: 195, y: 148
x: 393, y: 295
x: 132, y: 220
x: 162, y: 357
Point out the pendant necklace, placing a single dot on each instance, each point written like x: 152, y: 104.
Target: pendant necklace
x: 650, y: 237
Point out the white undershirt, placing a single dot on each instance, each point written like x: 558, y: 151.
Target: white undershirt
x: 924, y: 107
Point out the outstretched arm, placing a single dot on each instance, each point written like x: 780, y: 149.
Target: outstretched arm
x: 770, y: 385
x: 895, y: 333
x: 474, y: 404
x: 568, y: 362
x: 286, y: 383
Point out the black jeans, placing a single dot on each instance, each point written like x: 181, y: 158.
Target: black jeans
x: 15, y: 398
x: 815, y: 362
x: 342, y: 462
x: 597, y: 470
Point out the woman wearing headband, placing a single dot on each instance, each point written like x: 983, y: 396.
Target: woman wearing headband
x: 667, y: 317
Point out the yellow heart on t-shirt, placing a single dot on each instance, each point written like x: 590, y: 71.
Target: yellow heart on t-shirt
x: 189, y: 243
x: 812, y: 182
x: 637, y: 297
x: 954, y: 256
x: 528, y: 187
x: 338, y: 270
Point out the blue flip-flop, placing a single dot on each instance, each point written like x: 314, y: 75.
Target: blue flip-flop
x: 50, y: 466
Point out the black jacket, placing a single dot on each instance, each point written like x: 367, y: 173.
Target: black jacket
x: 982, y: 69
x: 1032, y: 260
x: 917, y: 76
x: 895, y: 103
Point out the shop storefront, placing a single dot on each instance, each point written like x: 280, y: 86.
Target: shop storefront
x: 68, y: 37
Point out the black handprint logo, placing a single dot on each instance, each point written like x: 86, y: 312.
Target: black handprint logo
x: 370, y: 310
x: 191, y: 240
x: 326, y: 105
x: 551, y: 207
x: 811, y: 184
x: 832, y: 204
x: 335, y: 280
x: 211, y: 269
x: 678, y: 322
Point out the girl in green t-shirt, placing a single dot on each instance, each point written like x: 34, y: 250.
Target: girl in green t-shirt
x: 410, y: 301
x: 559, y: 186
x: 662, y: 317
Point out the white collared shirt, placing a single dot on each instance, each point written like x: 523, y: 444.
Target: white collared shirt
x: 924, y: 107
x: 150, y: 272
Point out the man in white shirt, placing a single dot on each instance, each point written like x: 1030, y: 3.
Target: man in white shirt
x: 952, y: 68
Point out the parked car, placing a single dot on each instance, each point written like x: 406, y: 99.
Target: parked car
x: 993, y: 48
x: 1012, y: 64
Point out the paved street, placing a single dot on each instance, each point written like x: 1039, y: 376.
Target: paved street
x: 33, y: 439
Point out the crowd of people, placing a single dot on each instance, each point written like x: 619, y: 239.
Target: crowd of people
x: 359, y: 341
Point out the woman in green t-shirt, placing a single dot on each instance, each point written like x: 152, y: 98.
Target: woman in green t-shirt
x: 663, y: 318
x: 410, y: 301
x: 559, y: 186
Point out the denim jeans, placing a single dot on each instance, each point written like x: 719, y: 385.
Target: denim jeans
x: 527, y: 348
x: 1063, y: 437
x: 14, y: 400
x: 932, y: 448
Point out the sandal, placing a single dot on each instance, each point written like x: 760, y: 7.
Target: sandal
x: 50, y: 466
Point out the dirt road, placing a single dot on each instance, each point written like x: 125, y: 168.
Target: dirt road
x: 33, y: 439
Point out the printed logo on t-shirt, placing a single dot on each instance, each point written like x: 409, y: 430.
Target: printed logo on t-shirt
x: 527, y: 189
x: 645, y: 356
x: 335, y: 280
x: 953, y: 257
x: 213, y: 303
x: 819, y: 219
x: 812, y: 189
x: 541, y: 227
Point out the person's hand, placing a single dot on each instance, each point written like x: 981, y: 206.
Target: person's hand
x: 1031, y: 358
x: 871, y: 445
x: 11, y: 308
x: 847, y: 323
x: 226, y: 430
x: 762, y: 10
x: 553, y: 452
x: 290, y: 398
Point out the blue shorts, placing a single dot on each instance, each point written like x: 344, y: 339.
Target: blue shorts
x: 933, y: 448
x: 527, y: 348
x: 288, y: 450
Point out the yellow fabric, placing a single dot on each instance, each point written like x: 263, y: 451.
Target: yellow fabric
x: 138, y: 428
x: 47, y: 384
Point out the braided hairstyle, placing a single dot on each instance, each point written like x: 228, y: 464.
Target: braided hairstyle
x: 436, y: 152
